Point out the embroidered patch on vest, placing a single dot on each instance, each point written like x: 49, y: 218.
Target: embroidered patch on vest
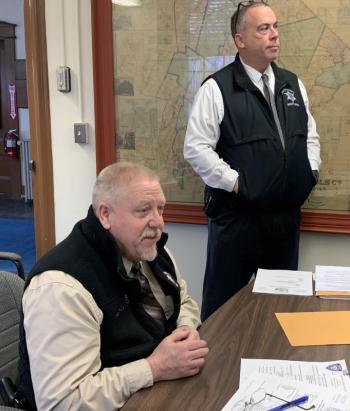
x: 291, y: 99
x: 170, y: 278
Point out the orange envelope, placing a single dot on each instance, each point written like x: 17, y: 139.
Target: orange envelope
x: 336, y: 295
x: 316, y: 328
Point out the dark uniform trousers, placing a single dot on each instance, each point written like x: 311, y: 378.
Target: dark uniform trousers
x: 239, y: 243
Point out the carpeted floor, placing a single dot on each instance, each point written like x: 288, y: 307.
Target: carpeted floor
x: 17, y: 236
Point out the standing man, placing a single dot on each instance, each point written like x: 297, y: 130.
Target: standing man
x: 254, y: 142
x: 106, y: 312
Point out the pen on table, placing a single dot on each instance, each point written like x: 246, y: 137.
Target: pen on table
x: 289, y: 404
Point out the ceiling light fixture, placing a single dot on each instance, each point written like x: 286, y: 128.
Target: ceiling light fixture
x: 127, y: 3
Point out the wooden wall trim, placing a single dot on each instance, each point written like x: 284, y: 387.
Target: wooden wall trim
x: 185, y: 213
x: 325, y: 222
x: 312, y: 221
x: 102, y: 54
x: 40, y: 124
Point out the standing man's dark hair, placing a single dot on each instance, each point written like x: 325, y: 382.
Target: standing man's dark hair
x: 253, y: 140
x: 238, y: 17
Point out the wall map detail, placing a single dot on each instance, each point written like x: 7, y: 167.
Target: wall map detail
x: 164, y: 49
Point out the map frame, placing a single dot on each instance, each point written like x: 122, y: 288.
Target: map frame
x: 105, y: 126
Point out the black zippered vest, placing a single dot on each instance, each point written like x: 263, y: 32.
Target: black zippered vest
x: 270, y: 177
x: 128, y: 333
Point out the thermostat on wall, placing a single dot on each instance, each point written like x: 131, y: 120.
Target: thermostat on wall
x: 63, y: 79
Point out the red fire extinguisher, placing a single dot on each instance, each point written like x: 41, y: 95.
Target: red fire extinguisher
x: 11, y: 144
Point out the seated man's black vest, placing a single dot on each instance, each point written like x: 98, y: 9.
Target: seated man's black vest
x: 91, y: 255
x: 271, y: 177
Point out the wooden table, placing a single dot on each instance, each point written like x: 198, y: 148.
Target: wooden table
x: 244, y: 327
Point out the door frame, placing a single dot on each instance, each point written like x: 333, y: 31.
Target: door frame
x: 8, y: 76
x: 40, y: 124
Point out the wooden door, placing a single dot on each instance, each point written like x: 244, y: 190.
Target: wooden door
x: 10, y: 169
x: 40, y: 124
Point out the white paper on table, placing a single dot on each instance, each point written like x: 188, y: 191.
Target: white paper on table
x: 332, y: 278
x: 324, y: 399
x: 283, y: 282
x: 330, y: 374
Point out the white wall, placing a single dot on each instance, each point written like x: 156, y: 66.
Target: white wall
x: 188, y: 244
x: 323, y: 249
x: 68, y: 25
x: 74, y: 165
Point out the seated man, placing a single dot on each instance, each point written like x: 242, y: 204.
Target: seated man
x: 106, y: 311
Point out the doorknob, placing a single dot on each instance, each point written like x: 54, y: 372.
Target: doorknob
x: 32, y: 165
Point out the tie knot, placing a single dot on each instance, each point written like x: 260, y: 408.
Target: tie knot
x: 136, y: 268
x: 265, y: 79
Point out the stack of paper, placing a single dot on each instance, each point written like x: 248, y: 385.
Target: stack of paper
x: 326, y: 384
x: 287, y: 282
x: 332, y: 282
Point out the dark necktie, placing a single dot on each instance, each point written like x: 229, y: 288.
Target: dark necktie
x: 149, y: 301
x: 271, y: 100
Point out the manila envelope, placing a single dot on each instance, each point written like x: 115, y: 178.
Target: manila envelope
x: 316, y: 328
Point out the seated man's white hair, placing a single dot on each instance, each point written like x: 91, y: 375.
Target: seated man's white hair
x: 114, y: 179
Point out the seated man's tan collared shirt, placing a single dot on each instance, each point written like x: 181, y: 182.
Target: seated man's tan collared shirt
x: 62, y: 325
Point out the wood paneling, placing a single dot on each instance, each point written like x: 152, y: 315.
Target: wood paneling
x: 102, y: 44
x: 40, y: 127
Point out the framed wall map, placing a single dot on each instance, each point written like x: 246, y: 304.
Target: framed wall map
x: 149, y: 61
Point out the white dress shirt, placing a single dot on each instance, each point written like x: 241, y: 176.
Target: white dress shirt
x: 203, y: 132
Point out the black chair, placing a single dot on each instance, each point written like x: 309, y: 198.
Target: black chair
x: 11, y: 290
x: 16, y: 260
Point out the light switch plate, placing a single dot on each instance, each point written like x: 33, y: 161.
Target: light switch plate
x: 81, y: 133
